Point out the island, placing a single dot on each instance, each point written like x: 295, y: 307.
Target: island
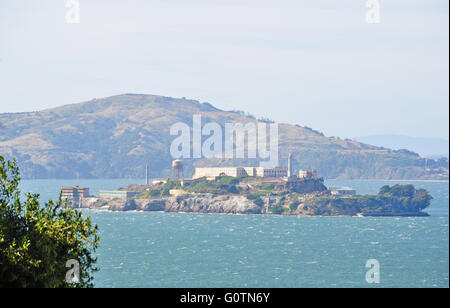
x: 253, y: 195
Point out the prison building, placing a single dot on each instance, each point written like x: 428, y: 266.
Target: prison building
x: 74, y: 192
x: 277, y: 172
x: 213, y: 172
x: 219, y: 171
x: 117, y: 194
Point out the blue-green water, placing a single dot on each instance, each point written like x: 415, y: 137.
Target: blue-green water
x: 154, y: 249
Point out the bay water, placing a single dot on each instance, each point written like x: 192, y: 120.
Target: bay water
x: 156, y: 249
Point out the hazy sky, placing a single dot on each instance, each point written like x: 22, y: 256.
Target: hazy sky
x: 315, y: 63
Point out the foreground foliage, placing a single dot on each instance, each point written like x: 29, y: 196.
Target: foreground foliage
x: 37, y: 241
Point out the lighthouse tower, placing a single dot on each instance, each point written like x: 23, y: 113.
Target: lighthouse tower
x: 290, y: 171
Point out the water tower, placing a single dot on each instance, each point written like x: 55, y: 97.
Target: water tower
x: 177, y: 169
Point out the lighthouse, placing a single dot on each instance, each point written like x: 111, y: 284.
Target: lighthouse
x: 290, y: 172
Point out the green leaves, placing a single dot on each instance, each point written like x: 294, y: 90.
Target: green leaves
x: 412, y: 199
x: 398, y: 199
x: 36, y: 241
x: 9, y: 180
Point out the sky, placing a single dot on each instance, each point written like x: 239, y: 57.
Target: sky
x: 315, y: 63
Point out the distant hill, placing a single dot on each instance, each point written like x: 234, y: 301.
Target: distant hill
x: 115, y: 137
x: 428, y: 147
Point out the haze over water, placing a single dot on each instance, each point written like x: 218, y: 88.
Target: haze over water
x: 155, y: 249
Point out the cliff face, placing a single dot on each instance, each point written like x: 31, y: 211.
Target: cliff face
x: 122, y: 205
x: 207, y: 203
x: 115, y: 137
x: 319, y: 203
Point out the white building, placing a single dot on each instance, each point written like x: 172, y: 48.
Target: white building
x: 342, y: 191
x: 213, y: 172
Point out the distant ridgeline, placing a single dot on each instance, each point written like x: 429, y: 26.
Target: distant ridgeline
x: 116, y: 137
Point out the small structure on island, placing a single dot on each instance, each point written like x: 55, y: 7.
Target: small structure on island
x: 177, y: 192
x: 307, y: 174
x: 118, y: 194
x: 159, y: 181
x: 342, y: 191
x: 177, y: 169
x: 74, y: 195
x: 146, y: 175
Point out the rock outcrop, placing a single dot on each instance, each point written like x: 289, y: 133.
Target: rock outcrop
x: 205, y: 203
x: 122, y: 204
x: 208, y: 203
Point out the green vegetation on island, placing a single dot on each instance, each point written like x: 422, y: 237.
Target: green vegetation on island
x: 225, y: 185
x: 390, y: 201
x: 300, y: 197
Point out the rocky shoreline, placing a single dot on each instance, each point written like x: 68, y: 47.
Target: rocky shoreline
x: 227, y: 204
x: 206, y: 203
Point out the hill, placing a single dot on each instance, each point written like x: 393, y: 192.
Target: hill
x: 115, y: 137
x: 427, y: 147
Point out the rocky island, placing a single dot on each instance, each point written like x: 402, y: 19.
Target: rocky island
x: 226, y: 194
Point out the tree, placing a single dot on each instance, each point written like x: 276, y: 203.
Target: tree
x: 294, y: 205
x: 385, y: 190
x: 259, y: 202
x: 36, y: 242
x: 421, y: 199
x: 405, y: 197
x: 403, y: 190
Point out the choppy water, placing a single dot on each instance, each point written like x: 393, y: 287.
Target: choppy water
x: 153, y: 249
